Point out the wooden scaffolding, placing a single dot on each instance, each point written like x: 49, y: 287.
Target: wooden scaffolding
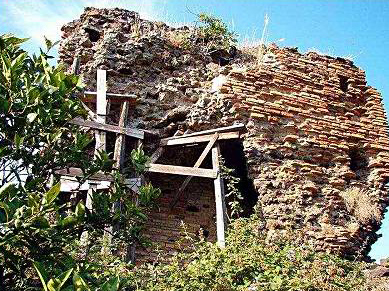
x: 98, y: 122
x: 212, y: 138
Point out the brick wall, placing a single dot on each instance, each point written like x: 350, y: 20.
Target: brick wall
x: 194, y: 212
x: 316, y: 131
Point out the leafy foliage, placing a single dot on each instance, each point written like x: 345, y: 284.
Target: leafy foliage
x: 45, y: 239
x: 250, y: 263
x: 215, y: 32
x: 139, y: 160
x: 232, y: 193
x: 211, y: 35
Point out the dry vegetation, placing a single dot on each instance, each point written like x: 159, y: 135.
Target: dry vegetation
x: 359, y: 203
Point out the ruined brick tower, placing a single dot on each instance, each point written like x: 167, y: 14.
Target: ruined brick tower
x: 316, y: 151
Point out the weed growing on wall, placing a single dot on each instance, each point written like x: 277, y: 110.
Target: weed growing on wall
x: 215, y: 32
x: 232, y: 192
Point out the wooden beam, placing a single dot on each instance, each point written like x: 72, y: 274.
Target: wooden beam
x: 219, y: 198
x: 101, y: 108
x: 113, y: 95
x: 155, y: 156
x: 133, y: 132
x: 236, y: 127
x: 179, y: 170
x: 196, y: 165
x: 70, y: 179
x: 89, y: 205
x: 90, y: 96
x: 76, y: 65
x: 199, y: 139
x: 120, y: 144
x: 70, y: 184
x: 77, y: 172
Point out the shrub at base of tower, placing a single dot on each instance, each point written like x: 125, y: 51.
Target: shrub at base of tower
x: 248, y: 263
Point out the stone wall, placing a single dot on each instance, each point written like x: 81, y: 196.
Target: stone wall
x: 317, y: 146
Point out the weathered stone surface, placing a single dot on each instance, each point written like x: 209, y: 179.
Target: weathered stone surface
x: 378, y: 272
x: 316, y: 130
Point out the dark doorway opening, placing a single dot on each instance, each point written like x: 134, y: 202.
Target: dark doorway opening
x: 233, y: 155
x: 343, y: 83
x: 358, y: 162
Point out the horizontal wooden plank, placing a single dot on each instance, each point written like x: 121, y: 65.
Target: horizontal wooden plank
x: 133, y: 132
x: 77, y: 172
x: 70, y: 184
x: 233, y: 128
x: 90, y: 96
x: 180, y: 170
x: 112, y: 95
x: 199, y: 139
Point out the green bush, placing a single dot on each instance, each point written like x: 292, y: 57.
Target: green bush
x: 212, y: 34
x: 215, y: 33
x: 43, y: 239
x: 248, y: 263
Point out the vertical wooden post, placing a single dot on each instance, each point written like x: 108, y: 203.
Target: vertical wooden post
x: 219, y: 198
x: 131, y: 257
x: 118, y: 155
x: 75, y: 71
x: 92, y: 187
x: 101, y: 108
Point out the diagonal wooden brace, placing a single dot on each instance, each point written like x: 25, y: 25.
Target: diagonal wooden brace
x: 197, y: 165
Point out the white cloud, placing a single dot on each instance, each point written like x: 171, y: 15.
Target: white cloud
x: 36, y: 19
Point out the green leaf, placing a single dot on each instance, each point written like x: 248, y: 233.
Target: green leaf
x: 80, y: 210
x: 5, y: 189
x: 80, y: 83
x: 31, y: 117
x: 10, y: 39
x: 79, y: 283
x: 48, y: 43
x: 19, y: 60
x: 69, y: 221
x: 18, y: 140
x: 41, y: 222
x: 111, y: 285
x: 41, y: 273
x: 52, y: 193
x: 57, y: 283
x: 6, y: 210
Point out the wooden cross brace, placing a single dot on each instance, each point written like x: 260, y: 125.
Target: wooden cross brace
x: 196, y: 165
x: 197, y: 171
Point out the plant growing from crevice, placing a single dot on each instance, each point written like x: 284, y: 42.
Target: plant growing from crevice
x: 233, y: 194
x: 359, y: 203
x: 209, y: 34
x: 214, y: 33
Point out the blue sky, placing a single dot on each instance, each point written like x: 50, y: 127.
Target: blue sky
x: 348, y: 28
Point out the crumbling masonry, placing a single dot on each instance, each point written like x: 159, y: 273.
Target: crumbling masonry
x: 317, y: 146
